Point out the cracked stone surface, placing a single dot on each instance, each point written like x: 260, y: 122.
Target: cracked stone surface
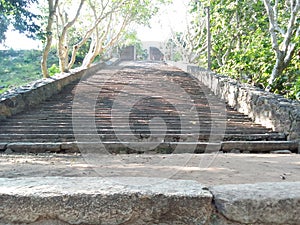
x: 103, y: 201
x: 137, y: 200
x: 262, y: 203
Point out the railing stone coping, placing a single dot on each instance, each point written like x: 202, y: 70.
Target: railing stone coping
x: 24, y: 97
x: 265, y: 108
x: 142, y: 200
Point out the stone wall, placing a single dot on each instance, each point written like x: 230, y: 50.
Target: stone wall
x: 24, y: 97
x: 268, y: 109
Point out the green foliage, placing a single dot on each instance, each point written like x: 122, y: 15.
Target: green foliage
x: 295, y: 92
x: 177, y: 57
x: 141, y: 11
x: 172, y: 52
x: 289, y: 83
x: 20, y: 67
x: 130, y: 38
x: 242, y: 47
x: 54, y: 69
x: 16, y: 12
x: 290, y: 89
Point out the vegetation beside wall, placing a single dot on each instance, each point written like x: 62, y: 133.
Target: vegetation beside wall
x: 21, y: 67
x: 255, y: 42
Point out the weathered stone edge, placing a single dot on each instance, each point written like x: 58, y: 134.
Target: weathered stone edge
x: 38, y: 91
x: 136, y: 200
x: 261, y: 203
x: 268, y: 109
x: 118, y: 147
x: 98, y: 200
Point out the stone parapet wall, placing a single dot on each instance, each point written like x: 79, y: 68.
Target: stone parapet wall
x: 24, y: 97
x: 270, y: 110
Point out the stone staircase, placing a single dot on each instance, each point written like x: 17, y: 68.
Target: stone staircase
x: 137, y: 107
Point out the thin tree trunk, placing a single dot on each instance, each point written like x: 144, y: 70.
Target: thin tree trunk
x: 285, y: 50
x: 52, y: 8
x: 62, y: 47
x: 88, y: 34
x: 278, y: 68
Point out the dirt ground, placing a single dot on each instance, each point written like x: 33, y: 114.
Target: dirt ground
x: 208, y: 169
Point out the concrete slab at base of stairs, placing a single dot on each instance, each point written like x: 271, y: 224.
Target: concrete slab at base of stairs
x: 261, y: 203
x: 137, y: 200
x: 97, y: 200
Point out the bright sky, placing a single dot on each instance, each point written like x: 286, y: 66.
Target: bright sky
x: 16, y: 41
x: 169, y: 16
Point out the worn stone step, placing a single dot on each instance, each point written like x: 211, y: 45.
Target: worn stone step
x: 105, y: 201
x: 122, y: 120
x: 171, y: 128
x: 132, y: 200
x: 159, y: 137
x: 104, y: 122
x: 137, y: 120
x: 110, y: 147
x: 260, y: 146
x: 136, y: 126
x: 144, y: 147
x: 67, y: 113
x: 53, y: 120
x: 261, y: 203
x: 125, y: 130
x: 82, y: 116
x: 108, y: 122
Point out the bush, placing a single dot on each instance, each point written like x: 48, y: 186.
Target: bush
x: 53, y: 70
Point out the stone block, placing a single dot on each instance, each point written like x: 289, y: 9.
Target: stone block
x: 20, y: 147
x: 69, y: 147
x: 260, y: 146
x: 3, y: 146
x: 261, y: 203
x: 281, y: 152
x: 97, y: 200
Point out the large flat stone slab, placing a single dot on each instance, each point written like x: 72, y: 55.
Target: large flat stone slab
x: 261, y: 203
x: 261, y: 146
x: 96, y: 200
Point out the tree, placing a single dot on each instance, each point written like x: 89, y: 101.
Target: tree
x: 65, y: 25
x: 17, y: 14
x: 96, y: 24
x: 241, y: 46
x: 122, y: 14
x: 284, y: 28
x: 191, y: 43
x: 52, y: 6
x: 106, y: 31
x: 93, y: 24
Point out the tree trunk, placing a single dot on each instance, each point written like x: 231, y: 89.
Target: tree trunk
x: 286, y: 49
x: 62, y: 43
x: 278, y: 68
x: 52, y: 8
x: 63, y: 57
x: 44, y: 66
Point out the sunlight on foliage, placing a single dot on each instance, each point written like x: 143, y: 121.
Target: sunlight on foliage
x: 242, y: 47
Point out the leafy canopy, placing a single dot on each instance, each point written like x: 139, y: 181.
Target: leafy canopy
x: 17, y: 14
